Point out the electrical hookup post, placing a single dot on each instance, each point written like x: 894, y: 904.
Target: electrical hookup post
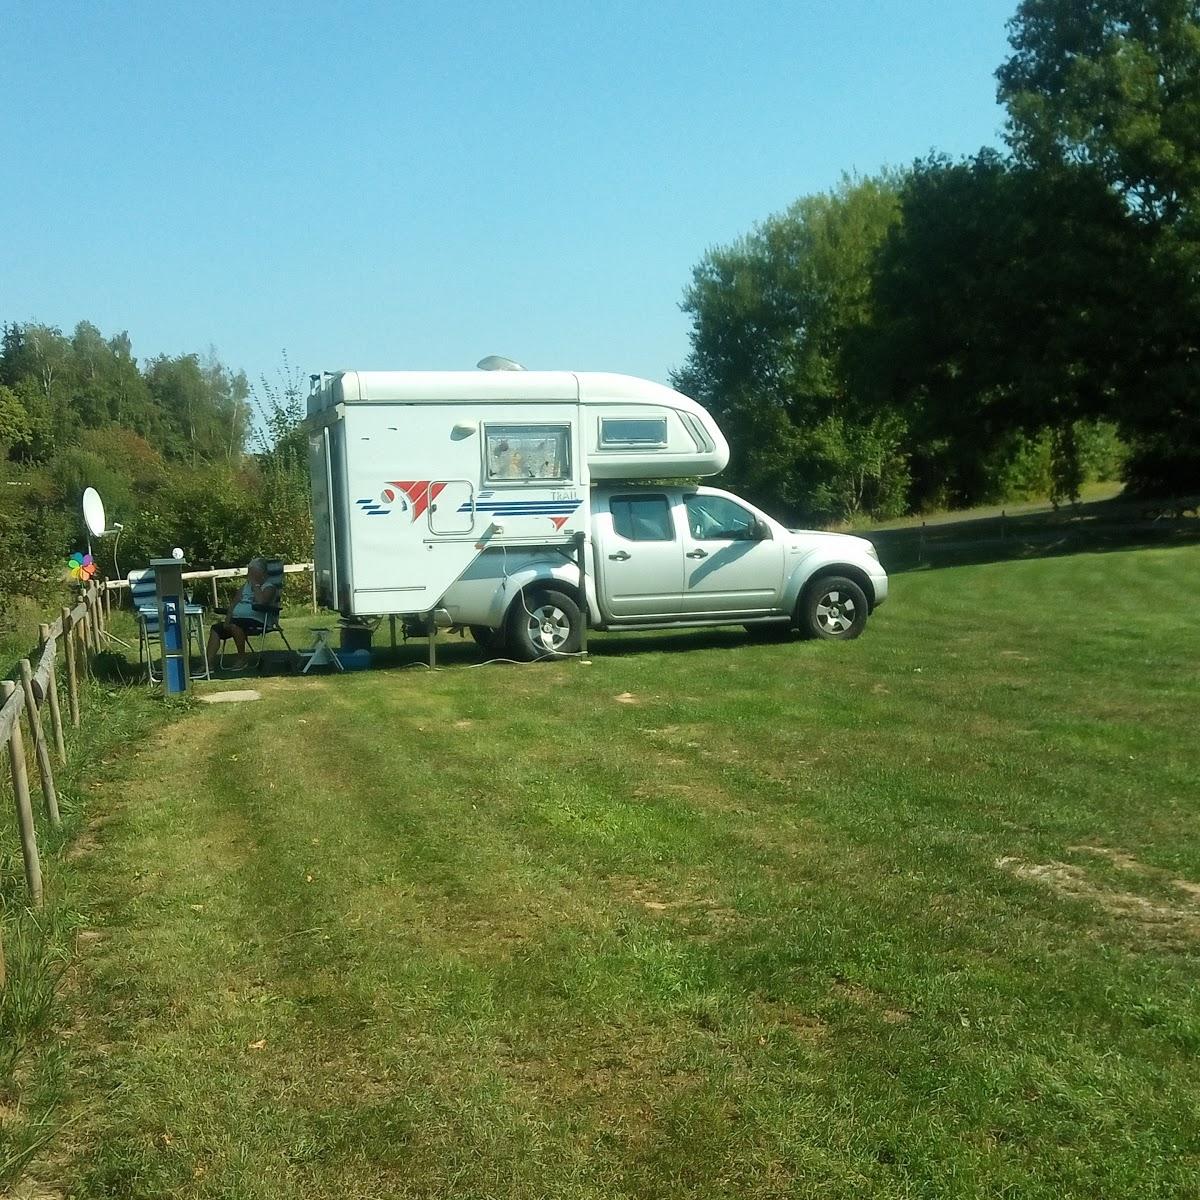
x: 172, y: 624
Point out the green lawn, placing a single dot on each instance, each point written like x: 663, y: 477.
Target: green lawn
x: 915, y: 916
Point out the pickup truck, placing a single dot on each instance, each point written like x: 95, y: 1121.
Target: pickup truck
x: 668, y: 557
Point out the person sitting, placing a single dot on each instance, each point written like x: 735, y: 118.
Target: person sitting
x: 242, y: 620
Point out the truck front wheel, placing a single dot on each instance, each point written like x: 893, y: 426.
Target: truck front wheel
x: 544, y: 624
x: 833, y: 607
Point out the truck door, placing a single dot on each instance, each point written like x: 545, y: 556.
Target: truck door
x: 640, y: 556
x: 728, y: 569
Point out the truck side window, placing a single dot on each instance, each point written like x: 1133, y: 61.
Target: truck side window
x: 642, y: 518
x: 713, y: 518
x: 528, y: 452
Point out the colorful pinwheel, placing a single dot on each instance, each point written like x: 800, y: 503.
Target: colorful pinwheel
x: 81, y: 567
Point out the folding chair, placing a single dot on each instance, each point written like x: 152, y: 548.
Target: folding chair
x: 269, y: 616
x: 145, y: 606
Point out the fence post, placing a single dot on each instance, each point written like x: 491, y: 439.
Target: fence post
x: 313, y: 573
x: 40, y: 751
x: 921, y: 545
x: 20, y: 782
x: 85, y: 642
x: 52, y: 696
x: 216, y: 598
x: 68, y: 635
x: 96, y: 619
x: 1003, y: 524
x: 84, y: 638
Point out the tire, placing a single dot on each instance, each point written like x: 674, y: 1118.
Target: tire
x: 489, y: 639
x: 834, y: 608
x: 543, y: 624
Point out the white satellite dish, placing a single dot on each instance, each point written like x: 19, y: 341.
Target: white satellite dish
x: 93, y: 512
x: 497, y: 362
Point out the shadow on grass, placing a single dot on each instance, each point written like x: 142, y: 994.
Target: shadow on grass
x: 1096, y: 527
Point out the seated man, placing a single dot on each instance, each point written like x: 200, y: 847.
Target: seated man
x: 241, y: 618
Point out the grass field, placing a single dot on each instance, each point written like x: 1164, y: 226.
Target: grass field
x: 915, y: 916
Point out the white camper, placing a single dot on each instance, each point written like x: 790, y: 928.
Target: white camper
x: 468, y: 496
x: 414, y: 472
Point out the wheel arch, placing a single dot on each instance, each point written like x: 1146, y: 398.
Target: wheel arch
x: 529, y: 583
x: 527, y: 579
x: 543, y: 583
x: 844, y: 570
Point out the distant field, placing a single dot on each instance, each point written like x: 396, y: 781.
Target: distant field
x: 914, y: 916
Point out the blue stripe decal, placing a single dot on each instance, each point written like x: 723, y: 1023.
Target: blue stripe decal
x: 526, y: 505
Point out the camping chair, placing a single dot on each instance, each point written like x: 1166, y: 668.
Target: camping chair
x: 269, y: 616
x: 145, y: 608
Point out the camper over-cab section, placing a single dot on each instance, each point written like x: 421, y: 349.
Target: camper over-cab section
x: 628, y: 428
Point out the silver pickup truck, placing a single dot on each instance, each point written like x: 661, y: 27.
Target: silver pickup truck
x: 667, y: 557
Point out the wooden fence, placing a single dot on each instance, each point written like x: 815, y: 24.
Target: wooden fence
x: 73, y: 638
x: 72, y: 641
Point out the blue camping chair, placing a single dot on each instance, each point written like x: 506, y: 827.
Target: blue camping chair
x: 145, y: 608
x: 269, y: 616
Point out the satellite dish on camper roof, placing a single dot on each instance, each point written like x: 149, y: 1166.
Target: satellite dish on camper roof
x: 93, y: 512
x: 497, y: 362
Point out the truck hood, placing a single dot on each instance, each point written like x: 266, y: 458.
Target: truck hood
x: 862, y: 545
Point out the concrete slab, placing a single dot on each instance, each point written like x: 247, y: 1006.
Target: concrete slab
x: 230, y: 697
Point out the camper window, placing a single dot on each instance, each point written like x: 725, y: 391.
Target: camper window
x: 642, y: 518
x: 616, y: 432
x: 517, y: 453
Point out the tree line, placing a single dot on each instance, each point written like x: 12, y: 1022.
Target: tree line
x: 183, y: 450
x: 1013, y: 323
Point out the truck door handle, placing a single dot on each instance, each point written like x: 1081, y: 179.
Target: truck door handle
x: 697, y: 554
x: 620, y: 556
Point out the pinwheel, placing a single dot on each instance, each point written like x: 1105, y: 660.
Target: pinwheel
x: 81, y: 567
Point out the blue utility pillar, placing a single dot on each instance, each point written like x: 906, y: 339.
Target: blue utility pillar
x: 172, y: 624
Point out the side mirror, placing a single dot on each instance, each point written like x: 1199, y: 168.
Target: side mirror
x: 762, y: 531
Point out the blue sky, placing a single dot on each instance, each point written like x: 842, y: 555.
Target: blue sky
x: 415, y: 186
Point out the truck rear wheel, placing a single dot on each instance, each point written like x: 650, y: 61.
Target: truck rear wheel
x: 544, y: 624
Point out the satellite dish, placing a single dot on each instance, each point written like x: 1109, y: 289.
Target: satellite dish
x: 497, y: 362
x: 93, y: 512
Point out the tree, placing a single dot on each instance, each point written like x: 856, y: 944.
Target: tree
x: 281, y: 449
x: 772, y: 317
x: 1114, y: 86
x: 15, y: 428
x: 202, y: 407
x: 1002, y: 305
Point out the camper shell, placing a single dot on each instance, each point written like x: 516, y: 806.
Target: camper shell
x: 416, y: 474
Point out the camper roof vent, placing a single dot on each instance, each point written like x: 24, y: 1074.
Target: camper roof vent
x: 497, y: 362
